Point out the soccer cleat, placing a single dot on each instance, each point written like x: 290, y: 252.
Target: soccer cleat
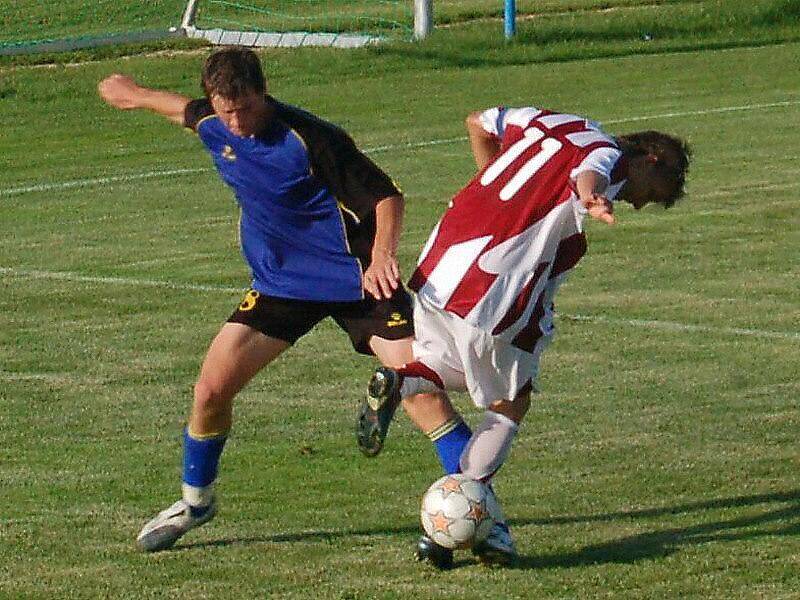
x: 376, y: 412
x: 169, y: 525
x: 498, y: 548
x: 431, y: 552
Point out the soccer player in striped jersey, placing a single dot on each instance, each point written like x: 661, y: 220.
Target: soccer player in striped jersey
x: 319, y: 229
x: 488, y: 275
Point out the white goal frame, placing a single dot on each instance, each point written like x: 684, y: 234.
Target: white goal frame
x: 423, y: 25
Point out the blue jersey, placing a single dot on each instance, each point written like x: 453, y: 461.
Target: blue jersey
x: 307, y: 199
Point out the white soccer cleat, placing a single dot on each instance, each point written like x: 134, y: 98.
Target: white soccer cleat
x: 498, y: 548
x: 169, y: 525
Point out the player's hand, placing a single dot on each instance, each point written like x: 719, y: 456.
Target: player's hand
x: 120, y: 91
x: 600, y: 208
x: 383, y: 275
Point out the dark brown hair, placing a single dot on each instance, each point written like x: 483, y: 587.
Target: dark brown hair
x: 232, y: 73
x: 657, y: 166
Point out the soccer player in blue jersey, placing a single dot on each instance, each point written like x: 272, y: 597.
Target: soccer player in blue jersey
x: 319, y: 229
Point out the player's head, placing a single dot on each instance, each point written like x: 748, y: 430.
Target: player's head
x: 657, y: 166
x: 233, y: 81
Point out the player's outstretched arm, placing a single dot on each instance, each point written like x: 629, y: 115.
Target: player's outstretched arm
x: 591, y: 192
x: 484, y: 145
x: 121, y: 91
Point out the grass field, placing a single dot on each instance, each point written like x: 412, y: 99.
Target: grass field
x: 660, y: 461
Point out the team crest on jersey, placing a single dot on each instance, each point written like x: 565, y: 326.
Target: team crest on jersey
x: 228, y: 153
x: 396, y: 320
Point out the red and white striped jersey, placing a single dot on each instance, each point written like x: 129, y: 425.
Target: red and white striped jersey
x: 510, y: 236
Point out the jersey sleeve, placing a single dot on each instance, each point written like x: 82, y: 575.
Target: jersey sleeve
x: 355, y: 180
x: 495, y: 120
x: 601, y: 160
x: 196, y: 111
x: 492, y: 120
x: 359, y: 183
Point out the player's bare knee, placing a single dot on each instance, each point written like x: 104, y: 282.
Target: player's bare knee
x: 411, y: 404
x: 209, y: 399
x: 425, y: 401
x: 428, y: 410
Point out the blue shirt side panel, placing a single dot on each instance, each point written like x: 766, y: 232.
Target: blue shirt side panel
x: 292, y: 232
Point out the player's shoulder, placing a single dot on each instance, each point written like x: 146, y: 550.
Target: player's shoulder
x: 520, y: 117
x: 312, y: 128
x: 549, y: 119
x: 497, y: 119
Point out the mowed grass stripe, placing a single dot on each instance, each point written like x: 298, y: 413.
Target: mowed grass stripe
x: 642, y: 323
x: 80, y: 183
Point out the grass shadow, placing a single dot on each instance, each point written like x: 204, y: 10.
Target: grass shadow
x: 663, y: 542
x: 643, y: 546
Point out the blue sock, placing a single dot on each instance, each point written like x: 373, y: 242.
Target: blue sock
x: 201, y: 458
x: 450, y: 440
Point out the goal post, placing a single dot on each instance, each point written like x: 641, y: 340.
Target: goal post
x: 423, y: 18
x: 189, y: 15
x: 289, y: 23
x: 281, y: 23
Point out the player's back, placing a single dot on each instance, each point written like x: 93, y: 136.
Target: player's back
x: 508, y: 231
x: 530, y: 176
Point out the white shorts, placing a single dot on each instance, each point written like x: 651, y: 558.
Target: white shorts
x: 469, y: 359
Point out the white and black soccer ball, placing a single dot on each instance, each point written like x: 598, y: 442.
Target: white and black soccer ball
x: 458, y: 511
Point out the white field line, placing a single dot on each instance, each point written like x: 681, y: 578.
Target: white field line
x: 685, y: 327
x: 75, y: 277
x: 81, y: 183
x: 746, y: 189
x: 640, y: 323
x: 671, y: 115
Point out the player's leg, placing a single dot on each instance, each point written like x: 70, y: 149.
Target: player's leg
x: 421, y: 384
x: 495, y: 371
x: 484, y: 454
x: 432, y: 412
x: 383, y: 328
x: 479, y: 455
x: 381, y: 324
x: 256, y: 333
x: 237, y: 353
x: 490, y: 444
x: 392, y: 353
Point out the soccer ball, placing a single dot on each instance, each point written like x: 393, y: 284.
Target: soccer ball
x: 458, y: 511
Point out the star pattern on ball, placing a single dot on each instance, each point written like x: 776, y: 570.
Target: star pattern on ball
x: 478, y: 512
x: 440, y: 522
x: 451, y: 485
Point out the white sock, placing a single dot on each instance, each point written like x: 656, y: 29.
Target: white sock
x: 198, y: 496
x: 489, y: 445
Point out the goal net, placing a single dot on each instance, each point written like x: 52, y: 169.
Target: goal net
x: 33, y: 25
x: 299, y: 22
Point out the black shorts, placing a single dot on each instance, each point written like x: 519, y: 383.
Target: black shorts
x: 289, y: 320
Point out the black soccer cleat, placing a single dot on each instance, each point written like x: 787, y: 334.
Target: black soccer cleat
x: 376, y: 412
x: 434, y: 554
